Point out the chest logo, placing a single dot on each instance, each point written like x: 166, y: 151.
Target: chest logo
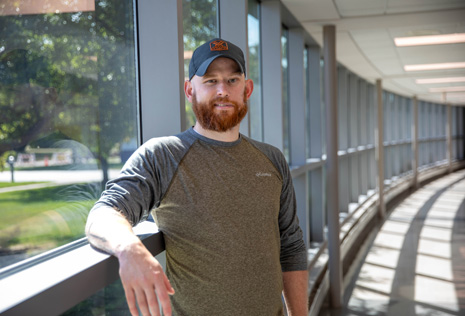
x: 263, y: 174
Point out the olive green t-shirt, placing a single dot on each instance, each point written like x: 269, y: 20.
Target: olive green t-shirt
x: 228, y: 215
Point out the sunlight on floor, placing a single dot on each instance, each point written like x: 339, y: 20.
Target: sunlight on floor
x: 419, y: 236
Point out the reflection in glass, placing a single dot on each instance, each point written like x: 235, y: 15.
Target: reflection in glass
x: 68, y: 113
x: 286, y: 109
x: 110, y: 300
x: 200, y: 25
x: 254, y: 71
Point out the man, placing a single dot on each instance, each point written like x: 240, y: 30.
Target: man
x: 225, y: 204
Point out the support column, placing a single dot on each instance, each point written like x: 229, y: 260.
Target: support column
x: 449, y: 137
x: 415, y: 143
x: 380, y: 149
x: 334, y: 244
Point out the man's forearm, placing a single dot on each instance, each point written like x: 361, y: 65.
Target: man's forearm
x: 108, y: 230
x: 295, y: 292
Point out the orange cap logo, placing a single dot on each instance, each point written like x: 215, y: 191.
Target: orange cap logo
x: 218, y: 45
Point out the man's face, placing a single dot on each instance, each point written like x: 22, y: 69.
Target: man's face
x: 219, y: 98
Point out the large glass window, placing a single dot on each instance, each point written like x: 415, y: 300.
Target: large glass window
x: 200, y: 24
x: 255, y: 102
x: 68, y: 116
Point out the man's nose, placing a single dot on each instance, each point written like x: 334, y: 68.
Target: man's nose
x: 222, y: 89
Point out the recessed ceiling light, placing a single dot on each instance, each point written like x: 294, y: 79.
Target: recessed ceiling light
x: 448, y: 89
x: 430, y: 40
x: 421, y: 67
x: 440, y: 80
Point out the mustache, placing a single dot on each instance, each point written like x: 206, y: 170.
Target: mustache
x: 222, y: 99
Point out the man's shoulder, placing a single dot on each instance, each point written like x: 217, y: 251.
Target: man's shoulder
x: 269, y: 150
x: 272, y: 153
x: 179, y: 141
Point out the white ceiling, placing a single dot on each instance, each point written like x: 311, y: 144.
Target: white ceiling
x: 365, y: 32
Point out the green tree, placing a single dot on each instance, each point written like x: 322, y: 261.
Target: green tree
x: 73, y: 73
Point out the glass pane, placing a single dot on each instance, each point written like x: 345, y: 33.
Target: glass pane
x: 68, y: 116
x: 285, y: 69
x: 200, y: 25
x: 110, y: 300
x: 254, y: 71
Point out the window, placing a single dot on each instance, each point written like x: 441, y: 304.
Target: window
x: 68, y: 116
x: 200, y: 24
x: 255, y: 102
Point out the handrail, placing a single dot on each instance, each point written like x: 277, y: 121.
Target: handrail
x: 60, y: 282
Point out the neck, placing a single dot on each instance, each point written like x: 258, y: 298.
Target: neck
x: 230, y: 135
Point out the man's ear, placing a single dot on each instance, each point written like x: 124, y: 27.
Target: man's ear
x: 248, y: 88
x: 188, y: 90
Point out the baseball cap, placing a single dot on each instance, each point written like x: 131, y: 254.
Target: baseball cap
x: 208, y: 52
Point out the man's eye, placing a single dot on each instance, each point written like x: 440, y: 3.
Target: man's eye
x: 211, y: 81
x: 233, y: 80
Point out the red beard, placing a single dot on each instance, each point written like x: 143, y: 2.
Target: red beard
x: 219, y: 121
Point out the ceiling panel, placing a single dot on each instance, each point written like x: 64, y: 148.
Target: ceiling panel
x: 312, y: 9
x: 360, y: 7
x: 404, y: 6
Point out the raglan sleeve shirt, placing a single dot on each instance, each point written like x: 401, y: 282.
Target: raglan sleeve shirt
x: 146, y: 177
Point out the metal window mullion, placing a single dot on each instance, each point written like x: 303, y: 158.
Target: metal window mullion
x: 354, y: 141
x: 415, y: 149
x: 297, y: 128
x: 363, y: 132
x: 334, y: 250
x: 233, y: 27
x: 317, y: 214
x: 343, y: 131
x: 372, y: 129
x: 449, y: 137
x: 380, y: 148
x: 161, y: 70
x: 272, y: 78
x: 316, y: 117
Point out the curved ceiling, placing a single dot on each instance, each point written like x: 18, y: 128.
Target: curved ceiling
x: 365, y: 33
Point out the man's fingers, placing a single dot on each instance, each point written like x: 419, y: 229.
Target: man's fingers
x: 163, y: 298
x: 142, y: 302
x: 131, y: 299
x: 153, y: 302
x: 168, y: 286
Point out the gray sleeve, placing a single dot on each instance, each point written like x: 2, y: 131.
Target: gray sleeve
x: 145, y: 177
x: 293, y: 249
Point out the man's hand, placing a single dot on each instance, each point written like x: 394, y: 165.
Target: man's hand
x: 142, y: 276
x: 144, y: 280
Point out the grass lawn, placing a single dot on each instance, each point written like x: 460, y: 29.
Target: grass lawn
x: 46, y: 217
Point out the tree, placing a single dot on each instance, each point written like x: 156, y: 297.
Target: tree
x: 73, y: 73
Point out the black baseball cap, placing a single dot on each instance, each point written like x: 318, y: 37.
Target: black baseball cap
x: 208, y: 52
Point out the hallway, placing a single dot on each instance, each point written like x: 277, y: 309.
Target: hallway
x: 415, y: 265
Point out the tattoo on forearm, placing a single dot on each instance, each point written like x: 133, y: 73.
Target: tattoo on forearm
x: 101, y: 243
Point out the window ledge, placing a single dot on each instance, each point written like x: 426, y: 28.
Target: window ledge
x: 53, y: 286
